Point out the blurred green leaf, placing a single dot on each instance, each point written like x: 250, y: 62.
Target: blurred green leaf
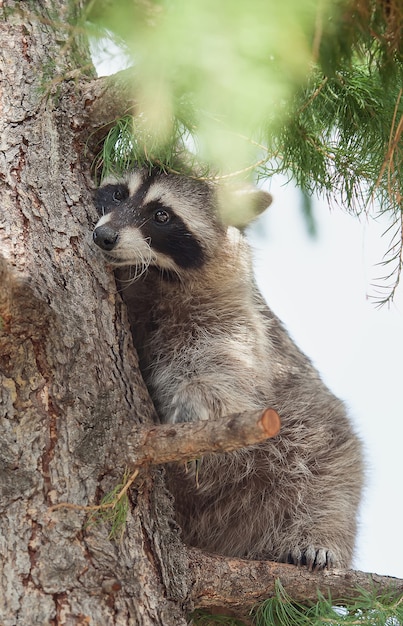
x: 236, y: 62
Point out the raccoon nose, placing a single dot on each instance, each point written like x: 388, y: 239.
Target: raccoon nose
x: 105, y: 237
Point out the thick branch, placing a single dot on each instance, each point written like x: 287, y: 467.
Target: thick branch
x: 189, y: 440
x: 104, y: 100
x: 239, y: 584
x: 107, y: 98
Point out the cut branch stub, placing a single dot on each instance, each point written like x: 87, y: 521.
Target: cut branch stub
x: 186, y: 441
x: 270, y: 422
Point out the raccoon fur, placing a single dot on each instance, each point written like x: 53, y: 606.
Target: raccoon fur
x: 209, y: 346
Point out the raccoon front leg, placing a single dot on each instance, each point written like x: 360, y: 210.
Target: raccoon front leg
x: 314, y: 547
x: 321, y: 532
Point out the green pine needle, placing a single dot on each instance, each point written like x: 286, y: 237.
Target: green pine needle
x: 311, y: 89
x: 281, y: 610
x: 113, y: 510
x: 366, y: 609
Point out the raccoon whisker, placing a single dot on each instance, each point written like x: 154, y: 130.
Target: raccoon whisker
x: 126, y: 283
x: 178, y: 275
x: 145, y: 260
x: 166, y: 273
x: 141, y: 270
x: 135, y: 272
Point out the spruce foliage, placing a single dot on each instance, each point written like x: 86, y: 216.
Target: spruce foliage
x: 309, y: 88
x: 281, y: 610
x: 366, y: 609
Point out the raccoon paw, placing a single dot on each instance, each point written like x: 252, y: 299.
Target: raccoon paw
x: 313, y: 558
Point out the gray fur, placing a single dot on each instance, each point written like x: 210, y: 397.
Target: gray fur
x: 209, y: 346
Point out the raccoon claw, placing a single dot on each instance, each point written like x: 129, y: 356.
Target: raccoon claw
x: 314, y: 559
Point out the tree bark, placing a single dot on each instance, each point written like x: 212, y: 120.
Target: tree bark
x: 186, y: 441
x: 238, y: 585
x: 69, y: 375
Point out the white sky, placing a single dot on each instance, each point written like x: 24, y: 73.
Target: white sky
x: 319, y: 288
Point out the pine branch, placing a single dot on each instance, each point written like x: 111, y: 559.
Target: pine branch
x: 340, y: 134
x: 168, y: 443
x: 187, y: 441
x: 106, y: 100
x: 239, y: 585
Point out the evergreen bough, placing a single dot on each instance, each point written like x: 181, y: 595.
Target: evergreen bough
x: 334, y: 125
x: 281, y: 610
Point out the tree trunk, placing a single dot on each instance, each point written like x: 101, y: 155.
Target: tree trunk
x: 70, y: 386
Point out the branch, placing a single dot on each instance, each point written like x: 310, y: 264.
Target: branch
x: 107, y: 98
x: 187, y: 441
x: 104, y: 100
x: 238, y: 584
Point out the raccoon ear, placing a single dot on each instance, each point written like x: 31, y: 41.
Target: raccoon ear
x: 238, y: 206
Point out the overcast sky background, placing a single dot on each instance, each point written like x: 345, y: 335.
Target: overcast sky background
x: 319, y: 288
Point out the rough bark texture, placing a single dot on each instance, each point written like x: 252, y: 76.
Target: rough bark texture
x: 69, y: 377
x: 186, y: 441
x: 238, y: 585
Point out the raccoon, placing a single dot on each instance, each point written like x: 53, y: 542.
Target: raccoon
x: 209, y: 346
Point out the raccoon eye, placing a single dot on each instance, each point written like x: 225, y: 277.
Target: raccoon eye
x: 162, y: 217
x: 120, y: 193
x: 117, y: 195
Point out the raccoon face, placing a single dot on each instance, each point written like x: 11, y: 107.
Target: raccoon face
x: 157, y: 219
